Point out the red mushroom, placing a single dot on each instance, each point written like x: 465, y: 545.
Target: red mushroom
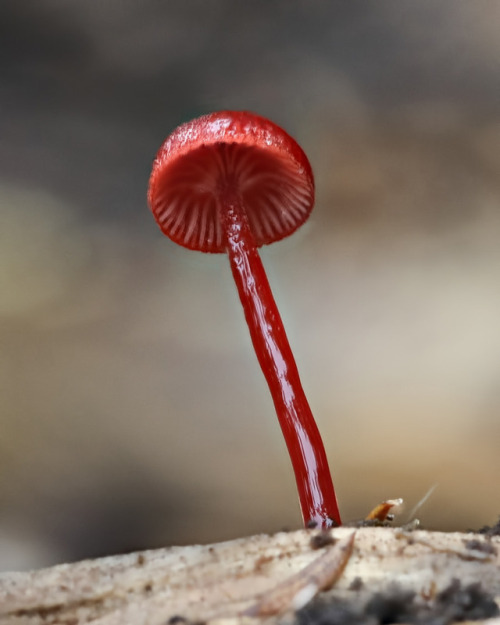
x: 231, y: 182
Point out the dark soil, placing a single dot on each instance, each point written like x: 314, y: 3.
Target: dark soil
x: 490, y: 531
x: 454, y: 603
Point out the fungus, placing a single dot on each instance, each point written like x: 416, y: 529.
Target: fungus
x: 230, y: 182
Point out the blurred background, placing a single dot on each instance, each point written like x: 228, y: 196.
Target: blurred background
x: 133, y: 413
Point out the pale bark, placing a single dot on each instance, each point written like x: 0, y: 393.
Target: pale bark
x: 225, y: 580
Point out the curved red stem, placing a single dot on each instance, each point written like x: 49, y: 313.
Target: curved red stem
x: 314, y: 483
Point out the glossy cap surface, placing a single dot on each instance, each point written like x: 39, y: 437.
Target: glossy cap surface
x: 237, y: 150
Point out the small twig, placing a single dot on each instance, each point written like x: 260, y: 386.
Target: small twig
x: 472, y: 553
x: 299, y: 589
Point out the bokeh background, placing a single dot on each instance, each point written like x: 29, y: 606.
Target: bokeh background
x: 133, y: 413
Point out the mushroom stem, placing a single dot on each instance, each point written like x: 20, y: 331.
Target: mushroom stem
x: 314, y: 483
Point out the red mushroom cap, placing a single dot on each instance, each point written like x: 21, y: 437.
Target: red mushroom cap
x: 234, y: 149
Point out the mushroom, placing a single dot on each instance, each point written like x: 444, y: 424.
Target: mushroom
x: 230, y: 182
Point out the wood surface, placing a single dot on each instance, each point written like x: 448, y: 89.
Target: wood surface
x: 230, y: 581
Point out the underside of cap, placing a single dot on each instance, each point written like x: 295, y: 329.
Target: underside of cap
x: 238, y: 150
